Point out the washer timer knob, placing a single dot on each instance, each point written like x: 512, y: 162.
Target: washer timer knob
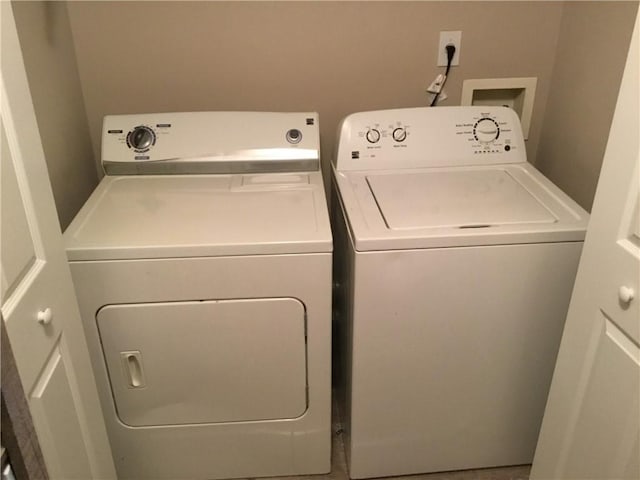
x: 373, y: 135
x: 399, y: 134
x: 486, y: 130
x: 141, y: 138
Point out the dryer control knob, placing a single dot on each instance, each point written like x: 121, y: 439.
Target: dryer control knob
x: 294, y: 136
x: 141, y: 138
x: 486, y: 130
x: 373, y: 135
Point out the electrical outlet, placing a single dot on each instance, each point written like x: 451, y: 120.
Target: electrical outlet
x: 446, y: 38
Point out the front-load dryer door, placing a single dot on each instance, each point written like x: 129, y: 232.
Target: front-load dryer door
x: 205, y: 361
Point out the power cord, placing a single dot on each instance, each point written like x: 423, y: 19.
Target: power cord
x: 451, y: 50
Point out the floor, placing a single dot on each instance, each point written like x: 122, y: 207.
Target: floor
x: 339, y: 465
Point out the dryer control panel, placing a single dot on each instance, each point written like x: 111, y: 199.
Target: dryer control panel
x: 210, y: 142
x: 430, y: 137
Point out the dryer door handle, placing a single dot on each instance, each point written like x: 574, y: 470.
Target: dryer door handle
x: 133, y: 370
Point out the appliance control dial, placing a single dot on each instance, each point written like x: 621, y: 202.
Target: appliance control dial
x: 486, y: 130
x: 141, y: 138
x: 294, y: 136
x: 373, y: 135
x: 399, y: 134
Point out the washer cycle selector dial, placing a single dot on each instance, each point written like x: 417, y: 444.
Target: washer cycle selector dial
x: 486, y: 130
x: 373, y: 135
x: 399, y: 134
x: 141, y: 138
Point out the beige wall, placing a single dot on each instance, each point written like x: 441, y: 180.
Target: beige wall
x: 45, y: 37
x: 592, y: 49
x: 331, y: 57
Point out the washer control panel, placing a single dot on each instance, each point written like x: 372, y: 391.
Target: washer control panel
x: 210, y: 142
x: 377, y: 134
x: 491, y: 132
x: 430, y: 137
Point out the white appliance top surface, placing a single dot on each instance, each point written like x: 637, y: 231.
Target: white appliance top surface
x: 456, y: 206
x: 455, y: 199
x: 168, y: 216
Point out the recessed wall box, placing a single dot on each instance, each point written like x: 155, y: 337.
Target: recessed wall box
x: 515, y: 93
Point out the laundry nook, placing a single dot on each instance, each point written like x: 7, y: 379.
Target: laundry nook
x: 319, y: 240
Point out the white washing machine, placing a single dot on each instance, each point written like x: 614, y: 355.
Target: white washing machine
x: 455, y: 261
x: 202, y: 266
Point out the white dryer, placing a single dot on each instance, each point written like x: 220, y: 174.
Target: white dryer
x: 202, y: 266
x: 455, y: 260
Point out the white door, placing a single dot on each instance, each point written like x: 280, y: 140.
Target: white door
x: 591, y: 427
x: 38, y: 303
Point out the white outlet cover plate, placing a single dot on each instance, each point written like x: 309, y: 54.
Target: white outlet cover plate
x: 445, y: 39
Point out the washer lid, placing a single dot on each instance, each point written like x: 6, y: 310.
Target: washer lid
x: 455, y: 199
x: 172, y: 216
x: 456, y: 207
